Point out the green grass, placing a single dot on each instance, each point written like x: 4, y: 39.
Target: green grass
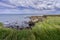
x: 46, y: 30
x: 10, y: 34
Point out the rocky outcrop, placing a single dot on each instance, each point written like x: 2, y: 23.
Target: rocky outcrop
x: 37, y: 18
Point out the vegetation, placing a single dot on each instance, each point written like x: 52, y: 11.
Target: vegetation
x: 1, y: 24
x: 46, y: 30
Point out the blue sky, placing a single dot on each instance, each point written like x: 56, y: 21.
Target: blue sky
x: 29, y: 6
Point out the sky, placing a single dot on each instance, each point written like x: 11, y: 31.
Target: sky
x: 29, y: 6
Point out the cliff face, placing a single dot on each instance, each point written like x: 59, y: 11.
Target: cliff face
x: 37, y: 18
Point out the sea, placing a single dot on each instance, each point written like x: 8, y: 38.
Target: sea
x: 19, y: 18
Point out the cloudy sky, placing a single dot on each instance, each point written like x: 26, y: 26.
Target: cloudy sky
x: 29, y: 6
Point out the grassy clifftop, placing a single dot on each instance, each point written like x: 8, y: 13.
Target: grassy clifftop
x: 46, y: 30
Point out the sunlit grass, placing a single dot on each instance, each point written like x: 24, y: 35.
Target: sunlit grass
x: 48, y: 29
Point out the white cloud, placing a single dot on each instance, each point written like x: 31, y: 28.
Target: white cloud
x: 6, y: 5
x: 58, y: 5
x: 16, y: 11
x: 36, y: 4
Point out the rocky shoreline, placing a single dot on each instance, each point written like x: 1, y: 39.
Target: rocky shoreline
x: 28, y: 25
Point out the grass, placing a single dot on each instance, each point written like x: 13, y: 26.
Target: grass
x: 10, y: 34
x: 13, y: 34
x: 46, y: 30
